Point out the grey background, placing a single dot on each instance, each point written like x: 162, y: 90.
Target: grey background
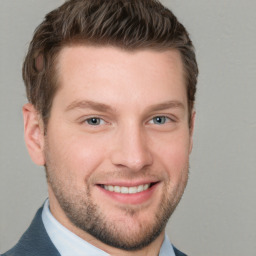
x: 217, y: 214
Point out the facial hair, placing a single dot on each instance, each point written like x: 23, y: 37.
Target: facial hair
x: 86, y: 215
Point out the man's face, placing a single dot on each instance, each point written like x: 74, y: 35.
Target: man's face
x: 118, y: 143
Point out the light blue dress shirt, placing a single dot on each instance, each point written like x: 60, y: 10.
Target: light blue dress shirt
x: 69, y: 244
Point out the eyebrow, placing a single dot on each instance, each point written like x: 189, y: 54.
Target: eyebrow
x: 166, y: 105
x: 90, y: 104
x: 106, y: 108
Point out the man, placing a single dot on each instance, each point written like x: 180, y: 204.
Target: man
x: 111, y: 89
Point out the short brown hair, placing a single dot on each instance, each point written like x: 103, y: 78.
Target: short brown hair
x: 128, y: 24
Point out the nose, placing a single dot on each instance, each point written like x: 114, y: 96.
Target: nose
x: 131, y: 149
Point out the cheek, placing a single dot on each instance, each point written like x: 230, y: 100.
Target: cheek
x: 173, y: 153
x: 77, y: 155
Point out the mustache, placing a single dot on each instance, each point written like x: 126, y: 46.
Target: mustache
x: 127, y: 174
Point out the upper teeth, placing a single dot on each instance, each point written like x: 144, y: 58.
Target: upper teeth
x: 126, y: 190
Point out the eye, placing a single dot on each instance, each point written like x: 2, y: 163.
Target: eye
x: 94, y: 121
x: 160, y: 120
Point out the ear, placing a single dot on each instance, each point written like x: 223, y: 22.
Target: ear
x: 191, y: 130
x: 34, y: 134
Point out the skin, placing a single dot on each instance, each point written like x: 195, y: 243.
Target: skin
x: 127, y: 147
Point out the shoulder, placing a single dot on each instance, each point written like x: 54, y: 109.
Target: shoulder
x: 34, y: 241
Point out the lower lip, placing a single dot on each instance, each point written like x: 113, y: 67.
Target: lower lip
x: 136, y: 198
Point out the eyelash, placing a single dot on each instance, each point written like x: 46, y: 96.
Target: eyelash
x: 151, y: 121
x: 166, y: 120
x: 94, y: 118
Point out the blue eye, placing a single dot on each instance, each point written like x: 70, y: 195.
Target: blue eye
x: 94, y: 121
x: 160, y: 120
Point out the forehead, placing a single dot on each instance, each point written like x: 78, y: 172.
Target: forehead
x: 168, y: 59
x: 87, y: 71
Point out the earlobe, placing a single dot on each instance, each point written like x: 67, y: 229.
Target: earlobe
x: 192, y: 125
x: 34, y: 134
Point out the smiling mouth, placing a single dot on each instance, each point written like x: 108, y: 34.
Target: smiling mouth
x: 128, y: 190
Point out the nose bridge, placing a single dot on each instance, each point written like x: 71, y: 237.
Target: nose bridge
x: 131, y: 149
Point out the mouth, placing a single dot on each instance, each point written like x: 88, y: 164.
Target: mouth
x: 128, y: 190
x: 129, y: 194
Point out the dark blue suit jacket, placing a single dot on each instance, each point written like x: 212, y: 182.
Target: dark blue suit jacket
x: 36, y: 242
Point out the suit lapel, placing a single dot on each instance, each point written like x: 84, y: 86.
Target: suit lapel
x: 178, y: 253
x: 35, y: 241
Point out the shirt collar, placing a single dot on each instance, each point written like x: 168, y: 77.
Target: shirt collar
x: 166, y: 249
x: 67, y: 243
